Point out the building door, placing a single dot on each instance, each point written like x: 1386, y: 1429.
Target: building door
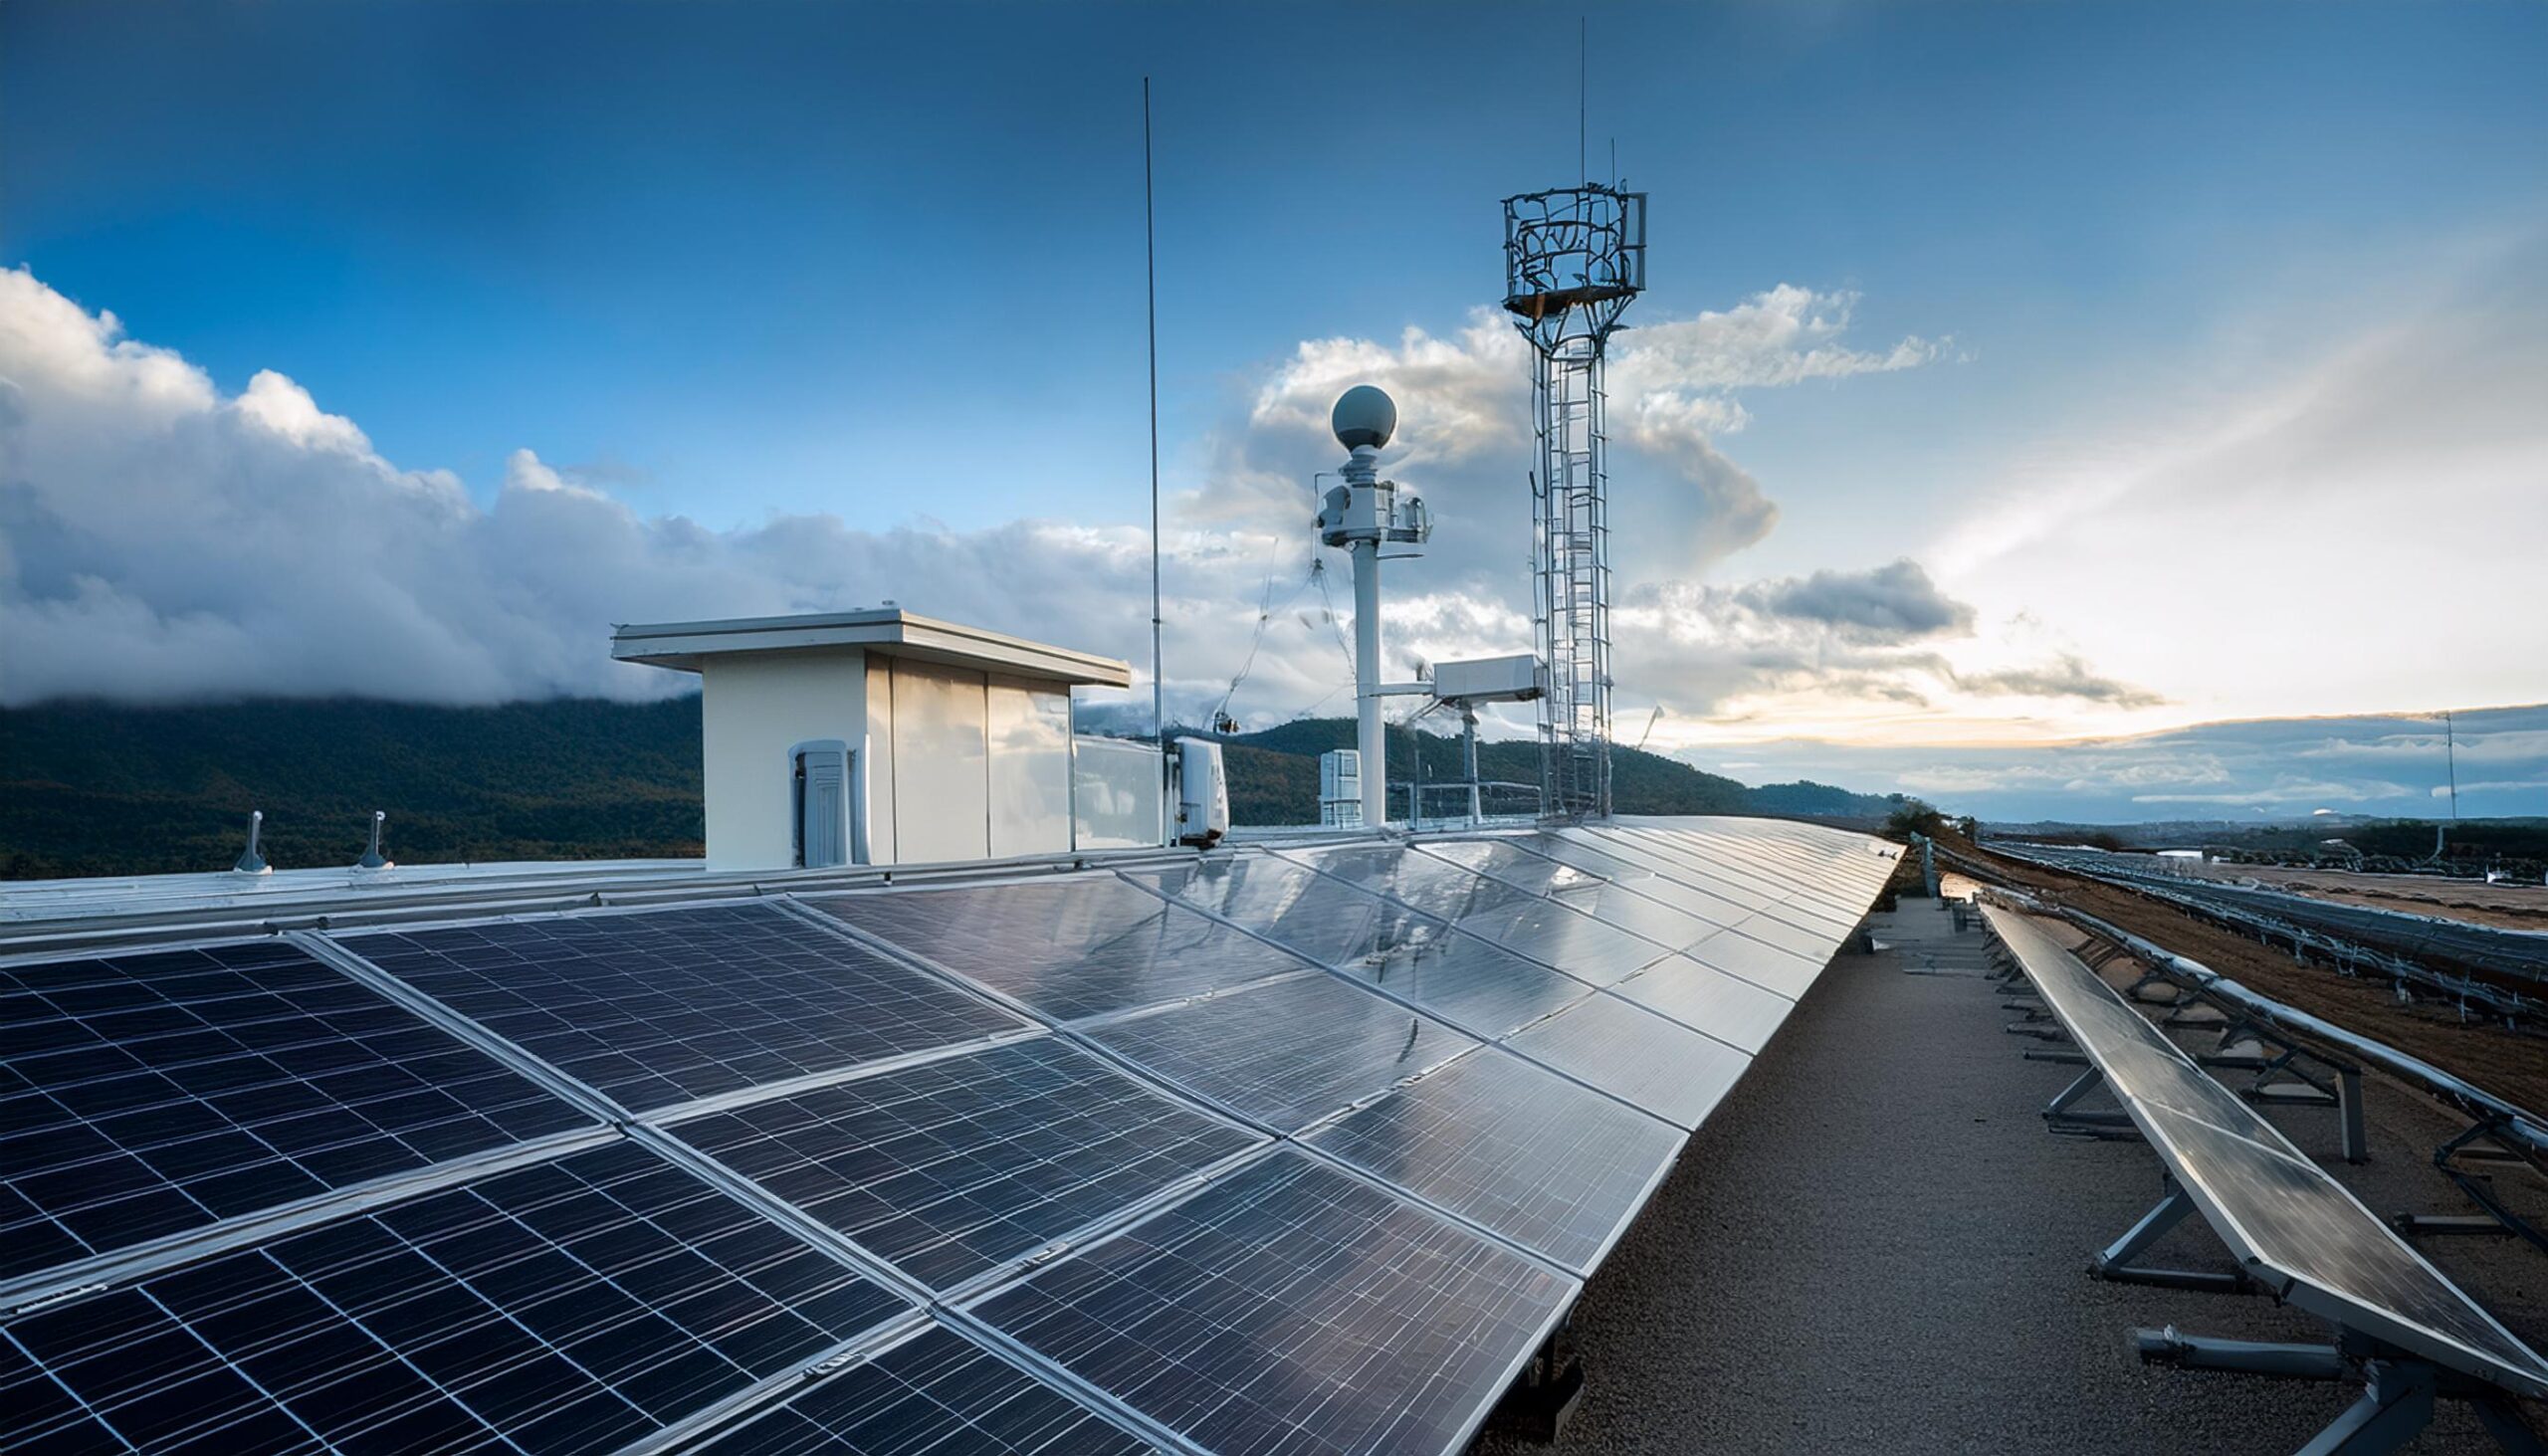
x: 822, y: 804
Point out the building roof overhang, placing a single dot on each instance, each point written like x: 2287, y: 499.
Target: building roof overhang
x: 891, y: 631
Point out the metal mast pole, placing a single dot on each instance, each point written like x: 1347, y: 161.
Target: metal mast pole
x: 1149, y: 279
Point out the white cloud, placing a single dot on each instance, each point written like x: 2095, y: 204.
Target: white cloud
x: 165, y: 542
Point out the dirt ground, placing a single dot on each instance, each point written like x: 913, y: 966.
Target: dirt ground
x: 2508, y: 906
x: 2511, y: 1065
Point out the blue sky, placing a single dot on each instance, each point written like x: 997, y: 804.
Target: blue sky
x: 879, y: 268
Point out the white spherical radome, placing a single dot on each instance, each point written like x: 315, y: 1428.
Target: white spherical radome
x: 1363, y: 415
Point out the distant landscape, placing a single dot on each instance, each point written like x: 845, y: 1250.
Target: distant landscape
x: 91, y: 789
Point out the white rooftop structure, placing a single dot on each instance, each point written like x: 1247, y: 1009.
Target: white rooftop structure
x: 882, y: 736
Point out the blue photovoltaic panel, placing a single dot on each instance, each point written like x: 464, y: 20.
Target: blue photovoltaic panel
x: 952, y: 1168
x: 1633, y: 1054
x: 936, y: 1394
x: 1506, y: 1146
x: 1285, y: 1053
x: 1691, y: 993
x: 1290, y: 1308
x: 1067, y: 947
x: 666, y: 1006
x: 148, y: 1094
x: 568, y: 1307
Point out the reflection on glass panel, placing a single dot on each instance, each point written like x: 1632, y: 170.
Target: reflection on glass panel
x: 1285, y: 1053
x: 1030, y: 768
x: 1636, y: 1056
x: 1117, y: 788
x: 1289, y: 1308
x: 1549, y: 1165
x: 1067, y: 947
x: 942, y: 798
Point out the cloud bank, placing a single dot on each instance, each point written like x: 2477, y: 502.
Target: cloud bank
x: 163, y: 542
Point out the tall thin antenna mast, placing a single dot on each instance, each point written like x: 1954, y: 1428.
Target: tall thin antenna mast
x: 1584, y: 96
x: 2450, y: 757
x: 1149, y: 270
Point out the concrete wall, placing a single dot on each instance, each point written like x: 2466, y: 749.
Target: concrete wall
x: 757, y: 705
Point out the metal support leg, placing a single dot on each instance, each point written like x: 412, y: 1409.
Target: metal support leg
x: 2498, y: 1218
x: 2397, y: 1406
x: 2398, y: 1396
x: 2357, y: 1141
x: 2115, y: 1261
x: 2057, y: 1112
x: 2245, y: 1357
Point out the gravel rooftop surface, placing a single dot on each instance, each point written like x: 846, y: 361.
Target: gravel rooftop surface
x: 1875, y: 1245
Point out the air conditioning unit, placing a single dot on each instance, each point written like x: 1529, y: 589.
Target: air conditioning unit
x: 1340, y: 788
x: 1202, y: 793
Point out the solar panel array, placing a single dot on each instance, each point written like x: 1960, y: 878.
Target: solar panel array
x: 2278, y: 1211
x: 1299, y: 1151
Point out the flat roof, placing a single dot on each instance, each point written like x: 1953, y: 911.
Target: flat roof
x: 682, y: 646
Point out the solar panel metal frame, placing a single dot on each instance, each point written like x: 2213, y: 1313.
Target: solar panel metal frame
x: 2394, y: 1326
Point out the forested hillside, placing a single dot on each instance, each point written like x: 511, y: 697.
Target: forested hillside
x: 96, y: 790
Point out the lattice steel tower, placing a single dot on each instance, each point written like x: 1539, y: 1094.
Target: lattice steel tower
x: 1573, y: 259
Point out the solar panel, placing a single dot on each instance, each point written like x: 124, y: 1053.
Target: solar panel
x: 1429, y: 884
x: 666, y: 1006
x: 1708, y: 1000
x: 1469, y: 982
x: 1512, y: 917
x: 1285, y: 1053
x: 2134, y: 1055
x: 1511, y: 861
x: 1067, y: 947
x: 2296, y: 1219
x: 2272, y: 1207
x: 1749, y: 892
x: 937, y: 1392
x: 1542, y: 1161
x: 1789, y: 890
x: 1738, y: 954
x: 1715, y: 910
x: 1292, y: 1309
x: 1635, y: 1055
x: 1313, y: 914
x: 145, y: 1094
x: 568, y: 1307
x: 950, y: 1168
x: 1578, y: 944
